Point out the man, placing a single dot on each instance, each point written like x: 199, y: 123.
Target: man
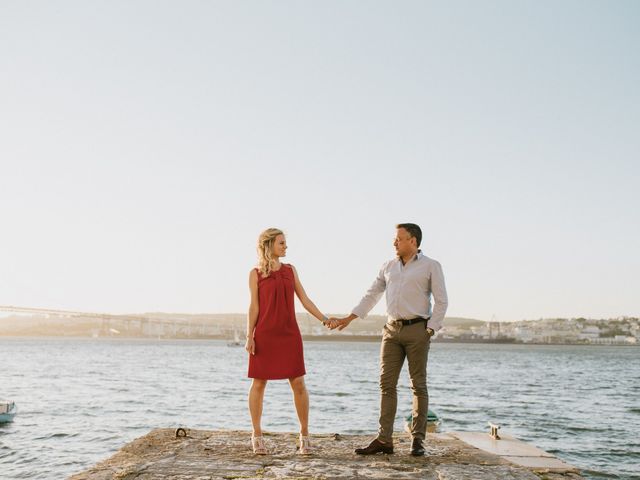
x: 409, y: 280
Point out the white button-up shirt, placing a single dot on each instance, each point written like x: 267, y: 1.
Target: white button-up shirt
x: 408, y: 291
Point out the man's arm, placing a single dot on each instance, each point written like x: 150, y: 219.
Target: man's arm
x: 440, y: 299
x: 367, y: 302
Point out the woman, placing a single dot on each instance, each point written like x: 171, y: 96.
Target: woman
x: 273, y: 337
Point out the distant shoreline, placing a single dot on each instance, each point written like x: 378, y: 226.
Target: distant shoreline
x: 306, y: 338
x: 622, y: 331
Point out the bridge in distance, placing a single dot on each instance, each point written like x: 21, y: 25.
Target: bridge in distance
x: 108, y: 324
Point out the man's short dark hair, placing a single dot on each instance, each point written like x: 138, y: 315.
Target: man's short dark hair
x: 413, y: 230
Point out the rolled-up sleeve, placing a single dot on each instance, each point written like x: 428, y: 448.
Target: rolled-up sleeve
x: 372, y: 296
x: 440, y: 299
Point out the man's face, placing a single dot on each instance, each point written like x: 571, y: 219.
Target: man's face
x: 404, y: 243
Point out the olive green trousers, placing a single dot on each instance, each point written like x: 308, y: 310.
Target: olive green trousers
x: 399, y: 342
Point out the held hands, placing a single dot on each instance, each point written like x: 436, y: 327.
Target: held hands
x: 339, y: 323
x: 329, y: 322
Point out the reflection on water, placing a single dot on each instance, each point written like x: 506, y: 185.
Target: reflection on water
x: 81, y: 400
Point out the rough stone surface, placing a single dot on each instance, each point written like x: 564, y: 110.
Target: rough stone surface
x: 202, y: 455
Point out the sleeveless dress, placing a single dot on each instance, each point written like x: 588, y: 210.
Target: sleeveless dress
x: 278, y: 342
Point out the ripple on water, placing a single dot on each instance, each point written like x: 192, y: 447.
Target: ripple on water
x: 57, y: 435
x: 595, y: 474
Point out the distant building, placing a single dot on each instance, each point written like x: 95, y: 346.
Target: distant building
x: 590, y: 333
x: 452, y: 332
x: 617, y: 340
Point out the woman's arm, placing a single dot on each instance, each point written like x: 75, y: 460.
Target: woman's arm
x: 252, y: 317
x: 308, y: 305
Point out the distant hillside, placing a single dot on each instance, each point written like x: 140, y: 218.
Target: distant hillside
x: 212, y: 325
x: 463, y: 322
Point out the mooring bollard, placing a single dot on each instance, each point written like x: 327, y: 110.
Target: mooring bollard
x: 494, y: 431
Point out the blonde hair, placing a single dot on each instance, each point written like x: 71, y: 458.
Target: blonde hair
x: 266, y: 262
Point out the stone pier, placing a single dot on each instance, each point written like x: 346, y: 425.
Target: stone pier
x: 202, y: 454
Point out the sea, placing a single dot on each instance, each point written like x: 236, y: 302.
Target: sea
x: 80, y: 400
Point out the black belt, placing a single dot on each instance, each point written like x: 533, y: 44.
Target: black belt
x: 411, y: 321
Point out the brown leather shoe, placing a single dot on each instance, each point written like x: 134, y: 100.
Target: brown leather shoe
x: 376, y: 446
x: 417, y: 450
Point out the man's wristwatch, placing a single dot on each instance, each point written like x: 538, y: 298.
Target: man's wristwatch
x: 430, y: 331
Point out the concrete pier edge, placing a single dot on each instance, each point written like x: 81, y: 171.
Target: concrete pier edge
x: 226, y: 454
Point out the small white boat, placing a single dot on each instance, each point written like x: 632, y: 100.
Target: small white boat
x: 236, y: 340
x: 8, y: 410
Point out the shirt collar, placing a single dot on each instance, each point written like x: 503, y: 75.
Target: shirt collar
x: 417, y: 256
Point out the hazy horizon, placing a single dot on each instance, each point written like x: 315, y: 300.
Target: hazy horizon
x: 145, y: 145
x: 48, y: 312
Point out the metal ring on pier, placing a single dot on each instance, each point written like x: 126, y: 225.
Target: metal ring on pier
x: 181, y: 432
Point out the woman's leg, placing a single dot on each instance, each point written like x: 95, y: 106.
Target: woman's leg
x: 301, y: 400
x: 256, y: 396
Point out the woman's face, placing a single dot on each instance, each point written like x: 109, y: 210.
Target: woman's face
x: 280, y: 246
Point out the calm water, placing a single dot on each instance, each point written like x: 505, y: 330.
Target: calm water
x: 81, y: 400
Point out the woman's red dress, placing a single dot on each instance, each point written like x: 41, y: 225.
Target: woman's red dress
x: 278, y: 343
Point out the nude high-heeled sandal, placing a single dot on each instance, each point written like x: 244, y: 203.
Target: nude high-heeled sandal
x: 258, y: 445
x: 305, y: 447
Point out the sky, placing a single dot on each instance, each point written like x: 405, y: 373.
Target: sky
x: 144, y: 145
